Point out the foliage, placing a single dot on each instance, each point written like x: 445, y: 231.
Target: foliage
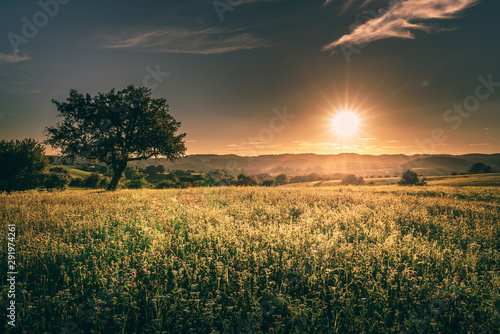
x: 352, y: 179
x: 479, y: 168
x: 57, y: 178
x: 76, y: 182
x: 410, y: 178
x: 268, y: 183
x: 116, y: 128
x: 23, y: 163
x: 92, y: 181
x: 165, y: 185
x: 281, y: 179
x: 245, y: 180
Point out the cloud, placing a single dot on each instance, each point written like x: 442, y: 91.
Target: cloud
x: 481, y: 144
x: 308, y: 145
x: 244, y: 2
x: 180, y: 40
x: 12, y: 58
x: 367, y: 139
x: 400, y: 20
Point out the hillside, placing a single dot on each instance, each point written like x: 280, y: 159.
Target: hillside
x: 300, y: 164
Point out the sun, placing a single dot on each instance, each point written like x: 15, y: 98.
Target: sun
x: 345, y: 123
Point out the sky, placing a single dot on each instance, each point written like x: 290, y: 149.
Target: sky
x: 253, y: 77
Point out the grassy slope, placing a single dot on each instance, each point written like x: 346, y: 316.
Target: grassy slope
x: 483, y: 180
x: 237, y: 260
x: 74, y: 172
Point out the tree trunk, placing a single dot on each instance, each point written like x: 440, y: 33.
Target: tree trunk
x: 118, y: 169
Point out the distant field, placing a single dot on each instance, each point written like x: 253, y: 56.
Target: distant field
x: 483, y: 180
x: 257, y: 260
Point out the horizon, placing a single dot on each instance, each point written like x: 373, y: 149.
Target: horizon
x: 268, y: 77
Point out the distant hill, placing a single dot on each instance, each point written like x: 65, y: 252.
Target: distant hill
x: 300, y: 164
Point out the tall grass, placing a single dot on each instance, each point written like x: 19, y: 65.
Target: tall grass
x: 257, y: 260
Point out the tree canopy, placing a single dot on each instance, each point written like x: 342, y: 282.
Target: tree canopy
x: 23, y: 164
x: 115, y: 128
x: 410, y: 178
x: 479, y: 168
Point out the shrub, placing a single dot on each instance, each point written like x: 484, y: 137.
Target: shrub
x: 55, y: 180
x: 92, y: 181
x: 137, y: 184
x: 352, y: 179
x: 23, y: 164
x: 76, y: 182
x: 165, y: 185
x: 281, y: 179
x: 268, y: 183
x: 410, y: 178
x: 479, y: 168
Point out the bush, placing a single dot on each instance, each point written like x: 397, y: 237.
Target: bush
x: 23, y: 163
x: 55, y: 180
x: 410, y: 178
x: 137, y: 184
x: 103, y: 183
x: 281, y: 179
x: 76, y: 182
x: 268, y: 183
x: 352, y: 179
x: 245, y: 180
x: 479, y: 168
x: 165, y: 185
x: 92, y: 181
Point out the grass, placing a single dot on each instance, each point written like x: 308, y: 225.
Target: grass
x: 379, y: 259
x: 75, y: 172
x: 482, y: 180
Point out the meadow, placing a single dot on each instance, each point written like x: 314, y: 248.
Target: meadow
x: 368, y: 259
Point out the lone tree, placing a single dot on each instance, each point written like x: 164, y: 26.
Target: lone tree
x: 116, y: 128
x: 410, y: 178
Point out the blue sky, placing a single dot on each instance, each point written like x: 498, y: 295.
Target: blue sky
x: 411, y: 70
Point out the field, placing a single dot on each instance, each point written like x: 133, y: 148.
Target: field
x: 483, y: 180
x: 371, y: 259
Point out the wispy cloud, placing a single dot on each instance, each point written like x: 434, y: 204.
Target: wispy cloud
x: 481, y: 144
x: 180, y: 40
x: 400, y: 20
x: 308, y: 145
x: 254, y: 1
x: 11, y: 58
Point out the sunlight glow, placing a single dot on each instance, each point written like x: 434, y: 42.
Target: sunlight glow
x: 345, y: 123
